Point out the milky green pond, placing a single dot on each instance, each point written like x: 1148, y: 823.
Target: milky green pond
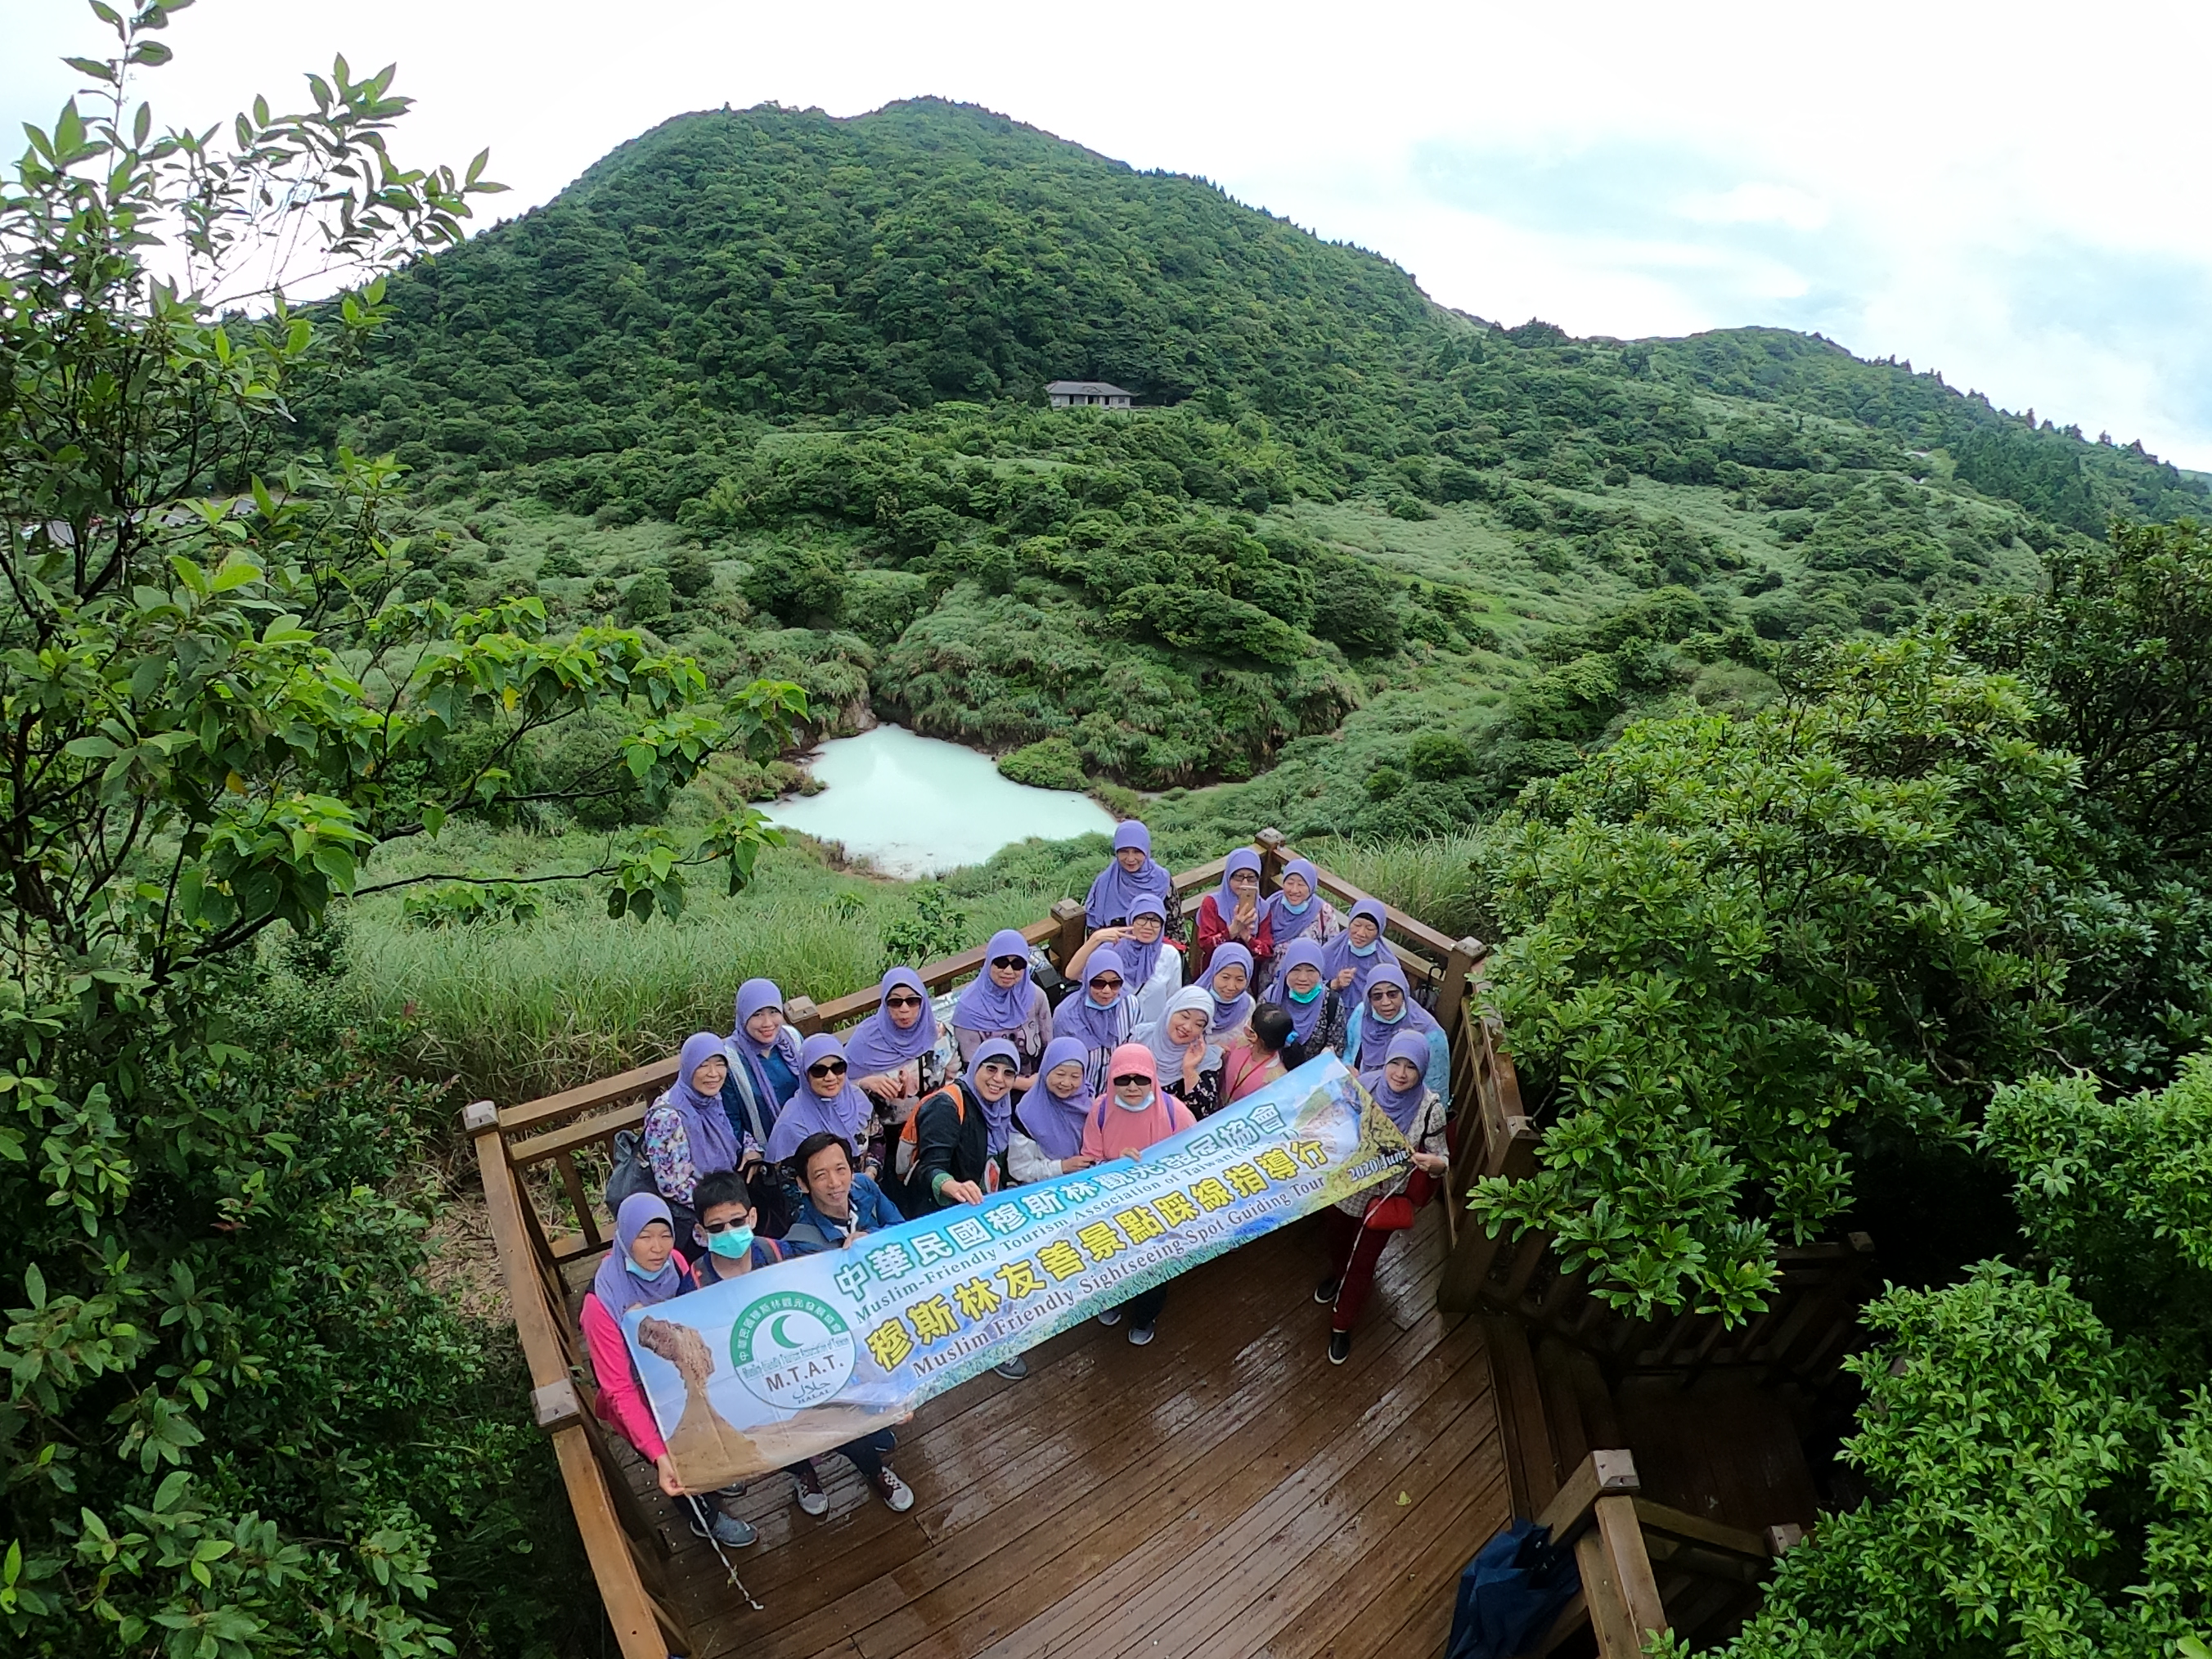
x: 914, y: 806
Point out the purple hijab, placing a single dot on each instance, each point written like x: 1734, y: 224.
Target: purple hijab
x: 1225, y: 900
x: 1375, y: 1037
x: 1140, y: 962
x: 845, y: 1114
x: 1080, y: 1017
x: 1398, y: 1107
x: 1115, y: 890
x: 998, y: 1119
x: 1304, y: 1015
x: 876, y: 1046
x: 618, y: 1289
x: 1227, y: 1016
x: 1285, y: 923
x: 713, y: 1143
x: 1338, y: 954
x: 1054, y: 1122
x: 983, y: 1006
x: 754, y: 995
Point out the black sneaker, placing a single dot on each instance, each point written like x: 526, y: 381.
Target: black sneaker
x: 1339, y: 1346
x: 1324, y: 1293
x: 1012, y: 1370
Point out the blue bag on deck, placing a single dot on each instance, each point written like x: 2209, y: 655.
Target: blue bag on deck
x: 1510, y: 1593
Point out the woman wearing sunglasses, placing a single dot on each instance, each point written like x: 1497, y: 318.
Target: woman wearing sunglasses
x: 1388, y: 1011
x: 1099, y: 1017
x: 1151, y: 961
x: 1003, y: 1004
x: 826, y: 1102
x: 1134, y: 1114
x: 893, y: 1053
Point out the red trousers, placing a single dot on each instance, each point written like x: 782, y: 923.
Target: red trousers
x: 1353, y: 1250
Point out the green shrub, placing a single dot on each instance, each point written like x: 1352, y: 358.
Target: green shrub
x: 795, y: 585
x: 1051, y: 764
x: 648, y: 598
x: 1435, y: 756
x: 690, y: 573
x: 1681, y: 1012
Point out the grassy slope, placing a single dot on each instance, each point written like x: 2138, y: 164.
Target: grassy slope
x: 833, y: 281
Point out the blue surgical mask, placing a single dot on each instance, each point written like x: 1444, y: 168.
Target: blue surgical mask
x: 1388, y: 1019
x: 731, y: 1241
x: 1368, y: 949
x: 1296, y: 910
x: 630, y: 1262
x: 1304, y: 996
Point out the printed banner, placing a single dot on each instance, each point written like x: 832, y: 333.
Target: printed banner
x: 789, y: 1361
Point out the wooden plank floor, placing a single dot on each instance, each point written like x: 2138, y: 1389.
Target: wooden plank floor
x: 1225, y: 1492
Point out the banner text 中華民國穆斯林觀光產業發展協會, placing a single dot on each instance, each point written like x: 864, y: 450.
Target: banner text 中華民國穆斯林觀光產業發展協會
x: 808, y: 1354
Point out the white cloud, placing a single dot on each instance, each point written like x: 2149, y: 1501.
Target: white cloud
x: 2003, y: 190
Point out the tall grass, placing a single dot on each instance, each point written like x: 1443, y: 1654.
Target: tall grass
x: 1432, y: 878
x: 516, y: 1012
x: 519, y: 1012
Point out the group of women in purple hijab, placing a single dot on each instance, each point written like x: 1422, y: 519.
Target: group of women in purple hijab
x: 1001, y: 1088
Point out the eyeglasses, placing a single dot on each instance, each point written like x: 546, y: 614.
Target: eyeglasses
x: 901, y: 1002
x: 724, y: 1226
x: 827, y: 1068
x: 1109, y: 981
x: 1133, y: 1078
x: 1010, y: 961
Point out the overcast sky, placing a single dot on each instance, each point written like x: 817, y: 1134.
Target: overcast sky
x: 2012, y: 193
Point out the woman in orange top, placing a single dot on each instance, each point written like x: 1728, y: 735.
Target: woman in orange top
x: 1134, y: 1113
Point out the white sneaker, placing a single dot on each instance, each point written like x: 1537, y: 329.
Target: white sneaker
x: 1111, y: 1317
x: 812, y: 1500
x: 896, y: 1492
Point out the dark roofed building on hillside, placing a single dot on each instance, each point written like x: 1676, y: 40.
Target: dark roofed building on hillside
x: 1068, y: 394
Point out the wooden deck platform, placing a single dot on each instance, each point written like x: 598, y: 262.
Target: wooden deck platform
x: 1224, y: 1491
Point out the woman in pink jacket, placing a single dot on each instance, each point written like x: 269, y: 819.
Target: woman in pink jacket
x: 643, y: 1267
x: 1134, y: 1113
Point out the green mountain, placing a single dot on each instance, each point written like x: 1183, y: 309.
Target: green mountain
x: 771, y: 383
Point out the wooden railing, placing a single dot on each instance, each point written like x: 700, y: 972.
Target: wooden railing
x: 540, y: 1163
x: 1639, y: 1560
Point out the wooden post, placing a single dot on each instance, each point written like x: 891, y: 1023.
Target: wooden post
x: 1274, y: 855
x: 1594, y: 1510
x: 643, y: 1629
x: 1068, y: 912
x: 1475, y: 1251
x: 804, y: 1017
x: 1617, y: 1579
x: 1452, y: 995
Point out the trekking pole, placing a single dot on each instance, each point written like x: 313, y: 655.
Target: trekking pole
x: 729, y: 1566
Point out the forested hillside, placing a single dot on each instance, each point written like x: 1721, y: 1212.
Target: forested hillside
x: 771, y: 384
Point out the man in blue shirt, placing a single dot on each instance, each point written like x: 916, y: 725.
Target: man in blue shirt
x: 840, y: 1204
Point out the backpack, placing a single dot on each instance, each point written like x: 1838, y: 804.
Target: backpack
x: 631, y: 1174
x: 909, y: 1148
x: 910, y: 1145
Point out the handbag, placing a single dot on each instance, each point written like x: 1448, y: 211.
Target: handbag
x: 1395, y: 1213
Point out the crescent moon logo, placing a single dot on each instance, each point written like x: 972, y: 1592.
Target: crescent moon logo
x: 775, y: 1332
